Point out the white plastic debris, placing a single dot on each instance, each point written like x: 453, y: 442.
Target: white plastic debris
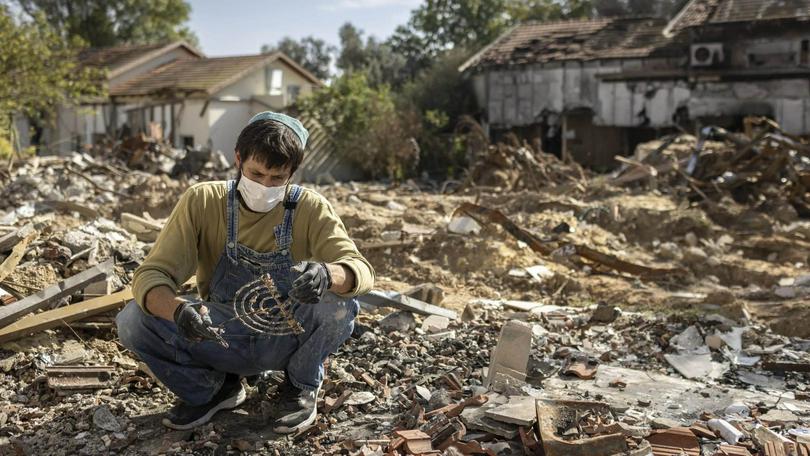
x: 729, y: 433
x: 463, y: 225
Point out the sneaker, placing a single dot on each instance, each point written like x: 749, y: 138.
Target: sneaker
x: 183, y: 416
x: 297, y: 409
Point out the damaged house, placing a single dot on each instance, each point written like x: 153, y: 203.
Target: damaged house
x: 596, y: 88
x: 196, y: 101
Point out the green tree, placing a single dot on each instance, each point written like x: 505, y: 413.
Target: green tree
x: 109, y: 22
x: 39, y: 70
x: 352, y: 51
x: 378, y: 60
x: 364, y: 125
x: 441, y: 95
x: 310, y: 52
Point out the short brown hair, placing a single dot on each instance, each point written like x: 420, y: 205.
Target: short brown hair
x: 270, y: 143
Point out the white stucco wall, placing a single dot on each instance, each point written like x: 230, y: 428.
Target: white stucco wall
x: 226, y: 120
x: 191, y: 124
x: 517, y: 97
x: 255, y: 85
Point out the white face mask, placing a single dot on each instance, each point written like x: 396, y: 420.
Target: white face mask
x: 258, y: 197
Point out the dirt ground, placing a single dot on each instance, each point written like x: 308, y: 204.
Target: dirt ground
x: 729, y: 263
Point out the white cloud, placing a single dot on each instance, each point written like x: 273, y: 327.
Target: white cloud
x: 354, y: 4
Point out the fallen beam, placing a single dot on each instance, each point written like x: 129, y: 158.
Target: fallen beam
x: 10, y: 263
x: 46, y: 297
x: 547, y: 248
x: 402, y: 302
x: 57, y: 317
x: 8, y: 241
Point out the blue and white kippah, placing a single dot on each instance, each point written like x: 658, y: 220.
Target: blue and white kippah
x: 294, y: 124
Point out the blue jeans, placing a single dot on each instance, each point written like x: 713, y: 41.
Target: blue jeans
x: 195, y: 371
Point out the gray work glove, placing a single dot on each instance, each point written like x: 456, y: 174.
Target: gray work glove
x: 194, y: 325
x: 313, y: 282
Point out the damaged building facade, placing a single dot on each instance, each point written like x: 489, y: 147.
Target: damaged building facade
x: 594, y: 89
x: 174, y: 91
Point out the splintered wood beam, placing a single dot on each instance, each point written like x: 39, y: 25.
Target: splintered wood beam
x: 484, y: 214
x: 44, y: 298
x: 31, y: 324
x: 8, y: 241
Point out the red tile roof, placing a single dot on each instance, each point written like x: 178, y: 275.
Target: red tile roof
x: 116, y: 58
x: 205, y: 76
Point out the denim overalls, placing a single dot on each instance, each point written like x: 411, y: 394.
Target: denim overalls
x: 194, y: 371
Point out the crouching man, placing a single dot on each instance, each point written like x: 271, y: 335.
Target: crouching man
x: 256, y: 311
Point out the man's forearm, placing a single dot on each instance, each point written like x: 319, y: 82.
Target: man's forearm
x: 162, y: 301
x: 343, y: 280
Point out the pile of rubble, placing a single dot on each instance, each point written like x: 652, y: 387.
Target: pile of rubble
x: 765, y: 167
x: 506, y: 350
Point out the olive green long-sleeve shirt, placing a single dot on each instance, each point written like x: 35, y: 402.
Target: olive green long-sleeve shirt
x: 195, y: 233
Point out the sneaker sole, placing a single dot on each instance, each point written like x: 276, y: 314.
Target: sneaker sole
x: 227, y: 404
x: 290, y: 429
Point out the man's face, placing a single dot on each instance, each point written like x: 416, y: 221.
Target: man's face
x: 257, y: 172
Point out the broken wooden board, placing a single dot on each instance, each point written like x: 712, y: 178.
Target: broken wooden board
x: 560, y: 247
x: 44, y: 298
x: 8, y: 241
x: 402, y: 302
x: 69, y: 379
x: 143, y: 229
x: 57, y: 317
x: 11, y: 262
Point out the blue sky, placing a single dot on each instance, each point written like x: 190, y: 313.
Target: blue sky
x: 241, y: 26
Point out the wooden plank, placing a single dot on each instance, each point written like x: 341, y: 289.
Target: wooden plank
x: 10, y: 263
x: 8, y: 241
x: 402, y: 302
x: 44, y: 298
x: 57, y: 317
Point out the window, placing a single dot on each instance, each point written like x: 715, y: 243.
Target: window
x: 293, y: 91
x: 188, y: 141
x: 804, y: 56
x: 273, y: 79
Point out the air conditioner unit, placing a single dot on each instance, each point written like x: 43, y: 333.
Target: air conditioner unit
x: 707, y: 54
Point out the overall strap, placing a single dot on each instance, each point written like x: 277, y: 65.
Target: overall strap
x: 232, y: 221
x: 284, y: 230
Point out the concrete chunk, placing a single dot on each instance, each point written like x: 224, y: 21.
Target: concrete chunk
x: 519, y: 410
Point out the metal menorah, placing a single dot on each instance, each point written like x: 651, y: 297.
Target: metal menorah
x: 259, y: 306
